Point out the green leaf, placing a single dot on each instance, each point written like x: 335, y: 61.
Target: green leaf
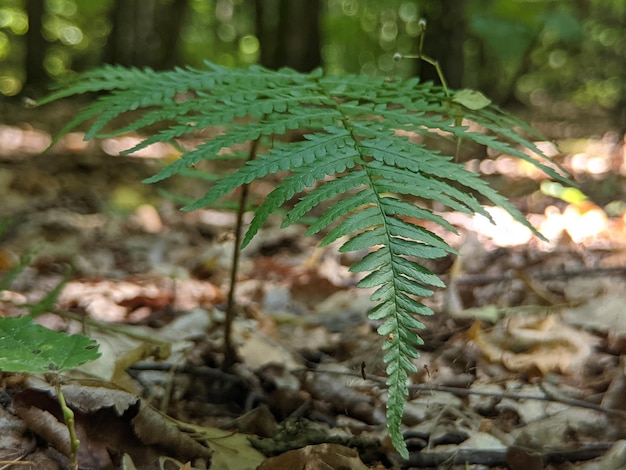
x: 557, y: 190
x: 31, y: 348
x: 471, y: 99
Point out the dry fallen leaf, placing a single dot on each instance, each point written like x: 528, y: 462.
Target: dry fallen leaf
x: 317, y: 457
x: 116, y: 300
x: 230, y: 450
x: 535, y: 344
x: 107, y: 419
x: 604, y: 314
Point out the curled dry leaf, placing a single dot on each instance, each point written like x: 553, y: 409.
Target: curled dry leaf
x: 43, y: 423
x: 15, y: 440
x: 535, y: 344
x: 117, y: 300
x: 615, y: 396
x: 317, y: 457
x: 108, y: 419
x: 605, y: 314
x: 345, y: 399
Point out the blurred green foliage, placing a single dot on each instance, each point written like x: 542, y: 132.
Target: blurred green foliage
x: 13, y: 23
x: 528, y: 50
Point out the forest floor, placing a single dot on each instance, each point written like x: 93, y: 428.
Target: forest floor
x: 523, y: 366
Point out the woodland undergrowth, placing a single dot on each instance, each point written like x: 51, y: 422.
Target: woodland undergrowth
x: 362, y: 157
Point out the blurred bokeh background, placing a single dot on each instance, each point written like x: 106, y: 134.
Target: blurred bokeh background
x: 562, y: 57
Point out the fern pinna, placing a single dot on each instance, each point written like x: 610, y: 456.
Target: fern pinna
x: 355, y: 155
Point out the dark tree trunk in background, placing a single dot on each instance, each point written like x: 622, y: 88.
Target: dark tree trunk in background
x: 266, y: 16
x: 173, y: 25
x: 132, y: 40
x: 36, y: 45
x: 289, y: 33
x: 446, y: 32
x: 145, y: 32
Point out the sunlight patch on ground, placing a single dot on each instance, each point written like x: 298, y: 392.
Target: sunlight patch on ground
x: 114, y: 146
x: 22, y: 141
x: 584, y: 223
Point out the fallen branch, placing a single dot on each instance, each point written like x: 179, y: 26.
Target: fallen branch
x: 479, y: 279
x: 466, y: 392
x: 493, y: 457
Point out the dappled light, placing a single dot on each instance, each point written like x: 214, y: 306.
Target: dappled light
x: 584, y: 222
x: 120, y: 145
x: 22, y: 141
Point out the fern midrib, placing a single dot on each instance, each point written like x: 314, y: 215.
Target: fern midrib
x: 396, y: 369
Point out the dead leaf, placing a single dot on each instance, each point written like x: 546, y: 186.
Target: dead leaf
x: 604, y: 314
x: 257, y: 350
x: 344, y: 398
x: 113, y: 300
x: 564, y: 427
x: 535, y: 344
x: 317, y: 457
x: 614, y: 459
x: 116, y: 300
x: 118, y: 352
x: 107, y: 419
x: 615, y: 396
x: 231, y: 450
x: 15, y: 440
x: 147, y: 218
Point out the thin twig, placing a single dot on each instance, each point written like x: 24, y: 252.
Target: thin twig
x: 466, y: 392
x: 421, y: 56
x: 230, y: 353
x: 476, y: 279
x: 498, y: 457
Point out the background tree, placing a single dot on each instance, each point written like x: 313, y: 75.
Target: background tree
x: 446, y: 33
x: 145, y: 32
x: 540, y: 53
x: 289, y: 33
x: 36, y: 44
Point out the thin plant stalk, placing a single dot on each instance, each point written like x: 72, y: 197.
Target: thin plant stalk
x: 230, y: 353
x: 68, y: 417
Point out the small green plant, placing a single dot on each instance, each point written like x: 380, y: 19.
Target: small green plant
x: 355, y: 155
x: 29, y: 348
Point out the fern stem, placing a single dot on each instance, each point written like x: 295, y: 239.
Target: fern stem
x: 230, y: 353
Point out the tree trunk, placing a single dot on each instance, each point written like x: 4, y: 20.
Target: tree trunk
x: 171, y: 26
x: 446, y: 32
x: 289, y: 33
x: 145, y: 32
x: 36, y: 45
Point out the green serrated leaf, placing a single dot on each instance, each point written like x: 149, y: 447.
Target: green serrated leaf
x: 471, y: 99
x: 372, y: 261
x: 31, y: 348
x: 415, y: 271
x: 341, y: 208
x: 376, y: 278
x: 364, y: 240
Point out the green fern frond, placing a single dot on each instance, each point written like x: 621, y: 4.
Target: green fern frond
x: 374, y: 183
